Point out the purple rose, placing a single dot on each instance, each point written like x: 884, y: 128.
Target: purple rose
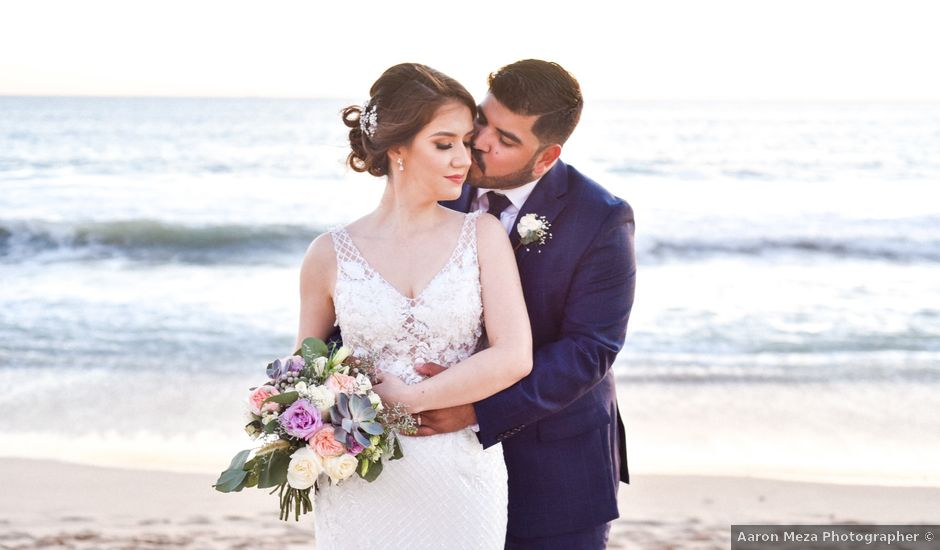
x: 301, y: 419
x: 352, y: 446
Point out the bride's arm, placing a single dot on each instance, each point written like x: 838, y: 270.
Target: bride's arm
x: 317, y: 274
x: 509, y: 355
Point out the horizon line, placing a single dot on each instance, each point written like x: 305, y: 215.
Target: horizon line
x: 597, y: 99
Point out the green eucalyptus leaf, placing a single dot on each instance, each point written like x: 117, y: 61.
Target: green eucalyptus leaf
x: 238, y: 461
x: 275, y: 471
x: 285, y: 398
x: 252, y: 479
x: 398, y: 452
x: 372, y: 471
x: 311, y: 348
x: 231, y: 480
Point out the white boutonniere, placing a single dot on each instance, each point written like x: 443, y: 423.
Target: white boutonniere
x: 533, y: 229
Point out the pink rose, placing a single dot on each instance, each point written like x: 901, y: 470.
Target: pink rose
x: 325, y: 444
x: 258, y: 396
x: 340, y: 383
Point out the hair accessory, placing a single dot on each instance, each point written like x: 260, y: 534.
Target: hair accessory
x: 368, y: 119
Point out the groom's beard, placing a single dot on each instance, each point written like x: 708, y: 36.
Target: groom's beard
x: 507, y: 181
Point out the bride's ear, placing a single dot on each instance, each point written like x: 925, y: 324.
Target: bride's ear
x: 395, y: 156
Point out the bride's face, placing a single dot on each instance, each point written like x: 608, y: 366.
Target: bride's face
x: 438, y: 158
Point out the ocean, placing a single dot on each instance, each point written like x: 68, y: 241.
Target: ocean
x: 787, y: 315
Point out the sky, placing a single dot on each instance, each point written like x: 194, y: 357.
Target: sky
x: 651, y: 50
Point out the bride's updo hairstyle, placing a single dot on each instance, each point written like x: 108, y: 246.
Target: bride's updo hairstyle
x: 403, y: 101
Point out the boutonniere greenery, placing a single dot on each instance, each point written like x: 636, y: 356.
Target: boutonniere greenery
x: 533, y: 230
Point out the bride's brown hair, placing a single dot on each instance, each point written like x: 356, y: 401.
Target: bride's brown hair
x: 404, y: 99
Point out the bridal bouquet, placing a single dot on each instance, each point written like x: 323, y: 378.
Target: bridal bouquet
x: 319, y: 420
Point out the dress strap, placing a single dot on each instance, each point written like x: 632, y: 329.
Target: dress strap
x: 346, y: 250
x: 467, y: 243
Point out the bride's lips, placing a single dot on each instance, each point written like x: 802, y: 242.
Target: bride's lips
x: 457, y: 178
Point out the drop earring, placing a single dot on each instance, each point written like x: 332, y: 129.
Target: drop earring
x: 401, y: 165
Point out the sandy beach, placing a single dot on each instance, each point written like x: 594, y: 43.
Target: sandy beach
x: 54, y: 504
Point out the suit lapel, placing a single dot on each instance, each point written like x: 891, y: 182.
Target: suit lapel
x: 545, y: 201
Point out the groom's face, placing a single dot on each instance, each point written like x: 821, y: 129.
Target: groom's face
x: 505, y: 150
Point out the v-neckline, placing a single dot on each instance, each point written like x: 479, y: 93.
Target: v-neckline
x: 395, y: 289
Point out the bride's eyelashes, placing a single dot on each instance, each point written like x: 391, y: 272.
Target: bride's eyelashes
x: 448, y: 146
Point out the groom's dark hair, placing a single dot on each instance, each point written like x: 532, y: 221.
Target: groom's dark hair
x: 535, y: 87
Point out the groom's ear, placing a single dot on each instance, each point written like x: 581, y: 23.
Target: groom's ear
x: 546, y: 160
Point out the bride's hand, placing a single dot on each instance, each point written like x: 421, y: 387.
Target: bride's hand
x: 393, y: 390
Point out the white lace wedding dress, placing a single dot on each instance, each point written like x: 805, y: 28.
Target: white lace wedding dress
x: 447, y: 492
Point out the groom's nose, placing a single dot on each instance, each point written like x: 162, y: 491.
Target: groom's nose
x: 482, y: 140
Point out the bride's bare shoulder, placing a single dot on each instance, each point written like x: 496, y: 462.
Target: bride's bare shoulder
x: 490, y: 232
x: 320, y: 259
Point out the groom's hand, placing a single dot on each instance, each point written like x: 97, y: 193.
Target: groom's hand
x: 447, y: 420
x: 442, y: 421
x: 429, y: 369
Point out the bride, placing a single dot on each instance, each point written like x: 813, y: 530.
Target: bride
x: 413, y: 282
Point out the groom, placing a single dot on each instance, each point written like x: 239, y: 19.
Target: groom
x: 562, y: 436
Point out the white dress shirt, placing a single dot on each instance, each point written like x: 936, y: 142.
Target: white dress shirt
x: 517, y: 197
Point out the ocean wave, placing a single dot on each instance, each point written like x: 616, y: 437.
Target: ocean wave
x: 898, y: 250
x: 233, y: 243
x: 150, y: 240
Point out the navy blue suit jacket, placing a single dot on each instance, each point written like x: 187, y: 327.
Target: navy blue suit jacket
x: 562, y: 436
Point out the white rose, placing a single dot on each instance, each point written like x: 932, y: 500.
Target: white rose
x: 529, y: 223
x: 322, y: 398
x: 376, y: 401
x: 301, y: 388
x: 304, y: 468
x: 340, y: 467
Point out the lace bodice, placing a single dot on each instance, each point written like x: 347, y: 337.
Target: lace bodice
x: 456, y: 487
x: 442, y: 324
